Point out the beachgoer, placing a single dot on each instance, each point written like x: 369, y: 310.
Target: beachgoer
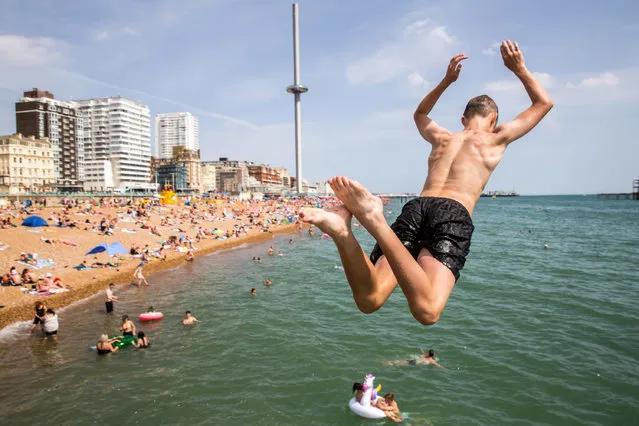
x: 271, y: 251
x: 110, y: 298
x: 189, y: 319
x: 138, y: 274
x: 279, y: 253
x: 40, y: 312
x: 358, y: 390
x: 424, y: 358
x: 253, y: 292
x: 104, y: 345
x: 189, y: 256
x: 426, y: 247
x: 143, y: 341
x: 51, y: 325
x: 388, y: 405
x: 268, y: 282
x: 127, y: 328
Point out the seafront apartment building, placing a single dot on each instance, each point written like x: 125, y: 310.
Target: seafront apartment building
x: 26, y: 164
x: 117, y: 130
x: 175, y: 129
x: 40, y: 115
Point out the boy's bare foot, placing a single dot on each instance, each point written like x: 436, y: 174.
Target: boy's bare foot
x: 336, y: 222
x: 366, y: 207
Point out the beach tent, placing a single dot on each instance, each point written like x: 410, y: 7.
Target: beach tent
x: 117, y: 248
x: 111, y: 249
x: 99, y: 249
x: 34, y: 222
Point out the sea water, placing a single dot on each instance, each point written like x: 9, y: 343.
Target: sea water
x: 529, y: 336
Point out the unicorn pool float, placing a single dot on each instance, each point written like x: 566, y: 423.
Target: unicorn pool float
x: 366, y: 408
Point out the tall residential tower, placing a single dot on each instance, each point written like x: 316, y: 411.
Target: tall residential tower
x: 38, y: 114
x: 116, y: 130
x: 175, y: 129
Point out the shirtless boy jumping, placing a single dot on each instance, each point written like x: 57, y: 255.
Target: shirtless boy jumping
x: 426, y: 247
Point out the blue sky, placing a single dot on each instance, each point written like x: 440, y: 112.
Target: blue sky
x: 367, y: 64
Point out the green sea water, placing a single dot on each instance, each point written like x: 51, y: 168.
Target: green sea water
x: 530, y: 335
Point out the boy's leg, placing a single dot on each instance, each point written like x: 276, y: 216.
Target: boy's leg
x: 371, y: 284
x: 424, y: 283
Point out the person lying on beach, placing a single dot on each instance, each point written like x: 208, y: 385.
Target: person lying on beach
x: 388, y: 405
x: 143, y: 341
x: 41, y: 284
x: 127, y: 328
x: 426, y: 247
x: 189, y: 319
x: 424, y: 358
x: 104, y: 344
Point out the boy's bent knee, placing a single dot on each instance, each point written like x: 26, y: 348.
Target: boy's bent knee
x: 426, y: 316
x: 368, y: 305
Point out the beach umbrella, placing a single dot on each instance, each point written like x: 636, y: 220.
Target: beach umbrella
x: 34, y: 222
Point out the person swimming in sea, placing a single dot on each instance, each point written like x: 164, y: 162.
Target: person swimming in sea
x: 424, y: 358
x: 189, y: 319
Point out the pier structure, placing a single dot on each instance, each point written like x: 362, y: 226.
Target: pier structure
x: 634, y: 195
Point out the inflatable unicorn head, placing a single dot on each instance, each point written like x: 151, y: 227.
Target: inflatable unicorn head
x: 368, y: 384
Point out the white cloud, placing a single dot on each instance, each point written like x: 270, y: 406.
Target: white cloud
x: 415, y: 79
x: 604, y: 79
x: 419, y: 44
x: 492, y: 50
x: 29, y: 51
x: 114, y: 33
x: 513, y: 85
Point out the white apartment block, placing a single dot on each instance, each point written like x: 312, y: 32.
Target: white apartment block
x: 98, y: 175
x: 175, y: 129
x: 119, y: 130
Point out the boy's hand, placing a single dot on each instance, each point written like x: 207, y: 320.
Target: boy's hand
x: 454, y: 68
x: 512, y: 56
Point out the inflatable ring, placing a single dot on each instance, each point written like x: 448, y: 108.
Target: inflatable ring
x: 150, y: 316
x: 370, y: 412
x: 365, y: 408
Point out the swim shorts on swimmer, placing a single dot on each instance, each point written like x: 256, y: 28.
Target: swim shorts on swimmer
x: 441, y: 225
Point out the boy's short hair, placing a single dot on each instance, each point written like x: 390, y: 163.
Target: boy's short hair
x: 480, y: 105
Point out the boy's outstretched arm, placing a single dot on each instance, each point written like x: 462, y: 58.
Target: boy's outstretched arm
x: 430, y: 130
x: 541, y: 102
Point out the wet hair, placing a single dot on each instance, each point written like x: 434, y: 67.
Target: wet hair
x: 252, y: 290
x: 150, y: 309
x: 357, y: 387
x: 141, y: 335
x: 187, y: 312
x: 389, y: 397
x: 480, y: 105
x: 431, y: 353
x: 125, y: 317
